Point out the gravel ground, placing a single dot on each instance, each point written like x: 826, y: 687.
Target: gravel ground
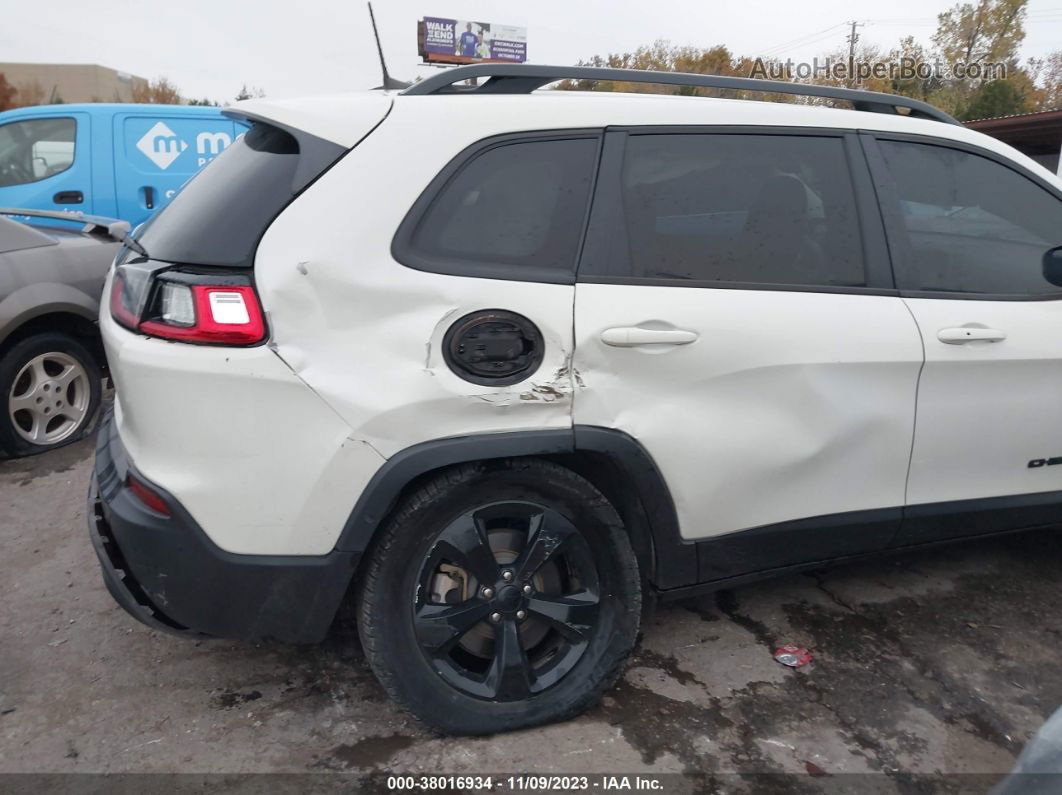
x: 926, y: 664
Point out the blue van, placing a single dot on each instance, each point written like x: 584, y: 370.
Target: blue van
x: 120, y: 161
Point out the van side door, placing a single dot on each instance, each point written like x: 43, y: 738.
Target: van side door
x: 156, y: 152
x: 46, y: 162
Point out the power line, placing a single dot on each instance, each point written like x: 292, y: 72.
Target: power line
x: 800, y: 39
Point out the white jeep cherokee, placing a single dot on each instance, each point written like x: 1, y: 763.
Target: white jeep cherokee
x: 501, y: 365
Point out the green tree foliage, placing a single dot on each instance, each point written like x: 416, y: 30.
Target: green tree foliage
x: 992, y: 99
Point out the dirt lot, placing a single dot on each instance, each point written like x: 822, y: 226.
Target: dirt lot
x: 935, y: 662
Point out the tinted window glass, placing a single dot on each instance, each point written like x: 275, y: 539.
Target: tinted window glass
x: 221, y: 213
x: 35, y: 149
x: 519, y: 204
x: 973, y: 225
x: 765, y: 209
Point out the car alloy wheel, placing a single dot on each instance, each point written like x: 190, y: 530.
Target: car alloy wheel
x: 506, y: 601
x: 49, y: 398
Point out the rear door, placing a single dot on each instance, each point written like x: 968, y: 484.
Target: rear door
x: 734, y: 314
x: 156, y: 152
x: 46, y: 162
x: 969, y: 231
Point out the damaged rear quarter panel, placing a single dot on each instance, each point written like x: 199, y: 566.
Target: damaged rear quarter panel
x: 365, y: 332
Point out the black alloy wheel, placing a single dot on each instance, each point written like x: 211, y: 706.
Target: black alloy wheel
x: 498, y: 596
x: 507, y: 600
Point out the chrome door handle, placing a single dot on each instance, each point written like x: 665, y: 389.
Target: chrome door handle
x: 630, y: 336
x: 960, y: 335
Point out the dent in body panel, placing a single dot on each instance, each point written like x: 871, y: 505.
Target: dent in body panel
x: 393, y: 389
x: 775, y: 435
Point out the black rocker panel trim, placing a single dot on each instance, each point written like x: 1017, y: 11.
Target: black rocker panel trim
x: 943, y: 521
x: 801, y: 541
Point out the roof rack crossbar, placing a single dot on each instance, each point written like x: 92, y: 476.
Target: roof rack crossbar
x: 525, y: 78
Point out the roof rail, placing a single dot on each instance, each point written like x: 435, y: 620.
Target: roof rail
x: 525, y: 78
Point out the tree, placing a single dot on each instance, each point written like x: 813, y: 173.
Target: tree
x: 992, y: 30
x: 30, y: 93
x: 993, y: 99
x: 204, y: 102
x: 249, y: 93
x: 159, y: 91
x: 981, y: 32
x: 1049, y: 81
x: 7, y: 93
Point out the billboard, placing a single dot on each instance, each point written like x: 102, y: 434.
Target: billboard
x: 464, y: 41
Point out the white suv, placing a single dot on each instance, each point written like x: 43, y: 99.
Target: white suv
x: 501, y: 365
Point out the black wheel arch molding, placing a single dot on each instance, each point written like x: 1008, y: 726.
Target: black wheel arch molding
x: 602, y: 455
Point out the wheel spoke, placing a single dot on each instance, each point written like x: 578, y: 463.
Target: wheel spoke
x: 509, y: 677
x: 574, y: 615
x: 23, y: 403
x: 39, y: 373
x: 70, y: 374
x: 37, y: 431
x: 438, y: 627
x: 544, y: 538
x: 465, y: 544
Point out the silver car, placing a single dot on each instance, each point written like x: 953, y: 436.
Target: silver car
x: 51, y: 359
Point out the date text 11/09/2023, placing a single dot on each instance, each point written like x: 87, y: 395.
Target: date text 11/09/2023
x: 530, y: 783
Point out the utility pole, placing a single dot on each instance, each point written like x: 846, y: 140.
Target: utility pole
x: 853, y: 38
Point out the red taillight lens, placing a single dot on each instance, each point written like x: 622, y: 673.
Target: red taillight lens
x: 225, y: 313
x: 219, y: 315
x: 148, y: 496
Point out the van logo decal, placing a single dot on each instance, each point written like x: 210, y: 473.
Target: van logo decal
x: 161, y: 145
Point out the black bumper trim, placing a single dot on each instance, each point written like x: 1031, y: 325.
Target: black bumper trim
x: 167, y: 573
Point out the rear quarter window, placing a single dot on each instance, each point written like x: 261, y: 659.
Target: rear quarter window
x: 514, y: 210
x: 221, y: 213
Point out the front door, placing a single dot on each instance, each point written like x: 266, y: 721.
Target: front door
x: 46, y: 163
x: 969, y: 233
x: 734, y: 315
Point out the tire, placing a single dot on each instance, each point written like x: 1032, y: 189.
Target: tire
x: 458, y: 677
x: 51, y: 373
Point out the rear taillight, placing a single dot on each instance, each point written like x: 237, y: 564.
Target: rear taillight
x: 207, y: 309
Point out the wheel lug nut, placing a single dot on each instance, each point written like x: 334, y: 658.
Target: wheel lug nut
x: 495, y: 617
x: 488, y: 593
x: 521, y: 614
x: 507, y: 575
x: 527, y: 590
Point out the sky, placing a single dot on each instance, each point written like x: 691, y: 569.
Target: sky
x: 209, y: 48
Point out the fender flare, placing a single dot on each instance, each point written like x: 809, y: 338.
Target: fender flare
x: 43, y: 298
x: 675, y: 561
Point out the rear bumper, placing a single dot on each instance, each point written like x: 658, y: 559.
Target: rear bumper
x: 168, y: 574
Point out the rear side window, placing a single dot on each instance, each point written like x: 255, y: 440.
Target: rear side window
x: 746, y: 209
x: 35, y: 149
x: 221, y: 213
x: 971, y: 225
x: 515, y: 210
